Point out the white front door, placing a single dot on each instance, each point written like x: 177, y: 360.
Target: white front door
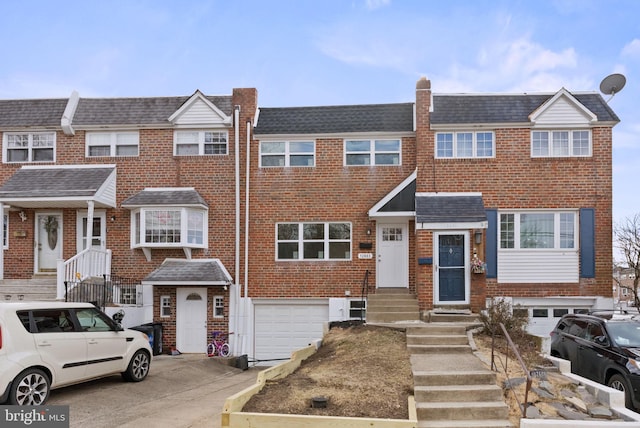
x: 392, y: 243
x: 191, y: 320
x: 97, y: 232
x: 48, y: 241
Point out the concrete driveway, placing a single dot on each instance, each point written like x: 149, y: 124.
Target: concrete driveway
x: 180, y: 391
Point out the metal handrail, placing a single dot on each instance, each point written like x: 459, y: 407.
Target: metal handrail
x: 513, y: 347
x: 363, y: 294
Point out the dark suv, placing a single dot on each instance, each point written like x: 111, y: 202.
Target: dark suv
x: 603, y: 347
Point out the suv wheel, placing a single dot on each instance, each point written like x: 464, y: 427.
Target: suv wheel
x: 30, y: 388
x: 138, y: 367
x: 620, y: 383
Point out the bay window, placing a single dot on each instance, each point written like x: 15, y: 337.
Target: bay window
x: 169, y: 227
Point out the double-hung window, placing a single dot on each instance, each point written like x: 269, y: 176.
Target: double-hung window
x: 112, y: 144
x: 561, y: 143
x: 29, y: 147
x: 287, y: 153
x: 313, y: 241
x: 538, y: 230
x: 465, y: 145
x: 200, y: 142
x: 372, y: 152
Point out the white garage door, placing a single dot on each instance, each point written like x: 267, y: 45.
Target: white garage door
x: 283, y: 327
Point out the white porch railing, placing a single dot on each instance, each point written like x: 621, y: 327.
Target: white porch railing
x: 88, y: 263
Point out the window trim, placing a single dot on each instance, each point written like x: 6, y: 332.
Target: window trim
x: 113, y: 143
x: 570, y: 149
x: 201, y: 141
x: 372, y: 152
x: 138, y: 227
x: 325, y: 240
x: 287, y: 154
x: 29, y: 148
x: 557, y: 235
x: 474, y: 144
x: 165, y: 303
x: 5, y: 231
x: 216, y: 300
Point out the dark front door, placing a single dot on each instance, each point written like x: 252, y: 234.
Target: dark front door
x: 451, y: 268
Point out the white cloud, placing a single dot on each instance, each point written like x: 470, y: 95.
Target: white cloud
x: 632, y: 49
x: 376, y: 4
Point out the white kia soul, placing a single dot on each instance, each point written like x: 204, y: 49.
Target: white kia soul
x: 47, y: 345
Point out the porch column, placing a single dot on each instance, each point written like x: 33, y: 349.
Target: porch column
x: 89, y: 236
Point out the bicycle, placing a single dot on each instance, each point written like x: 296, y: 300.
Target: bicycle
x: 218, y: 345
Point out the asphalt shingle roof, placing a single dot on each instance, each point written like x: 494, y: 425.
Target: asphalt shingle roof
x: 461, y: 109
x: 177, y: 270
x: 58, y: 182
x: 32, y: 112
x: 336, y: 119
x: 450, y: 209
x: 183, y: 197
x: 135, y: 111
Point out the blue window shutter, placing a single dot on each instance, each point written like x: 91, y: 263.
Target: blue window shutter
x: 587, y: 243
x: 492, y: 244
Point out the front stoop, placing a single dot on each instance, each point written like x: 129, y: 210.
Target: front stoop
x: 41, y: 288
x: 452, y: 387
x: 392, y: 305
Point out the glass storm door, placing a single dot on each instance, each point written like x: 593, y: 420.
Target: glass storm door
x: 451, y: 269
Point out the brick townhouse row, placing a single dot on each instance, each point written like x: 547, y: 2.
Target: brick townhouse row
x: 266, y: 222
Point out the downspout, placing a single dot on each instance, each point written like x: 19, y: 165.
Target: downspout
x: 236, y: 289
x: 246, y: 242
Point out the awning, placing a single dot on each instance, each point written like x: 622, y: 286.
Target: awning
x: 166, y: 196
x: 450, y: 211
x: 200, y: 272
x: 61, y: 187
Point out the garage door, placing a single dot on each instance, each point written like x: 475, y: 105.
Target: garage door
x: 282, y: 327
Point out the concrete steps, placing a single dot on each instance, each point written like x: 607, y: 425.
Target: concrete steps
x: 452, y: 387
x: 37, y: 288
x: 391, y: 305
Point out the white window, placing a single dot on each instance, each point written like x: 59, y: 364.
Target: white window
x: 196, y: 143
x: 372, y: 152
x: 165, y: 306
x: 112, y: 144
x: 287, y: 153
x: 538, y: 230
x: 169, y: 227
x: 29, y: 147
x: 218, y: 306
x: 313, y: 241
x: 465, y: 145
x: 565, y: 143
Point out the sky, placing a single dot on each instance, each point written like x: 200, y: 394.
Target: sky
x: 330, y: 52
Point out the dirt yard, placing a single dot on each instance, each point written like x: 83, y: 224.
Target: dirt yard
x: 363, y: 371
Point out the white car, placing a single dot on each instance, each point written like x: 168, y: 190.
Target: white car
x: 47, y: 345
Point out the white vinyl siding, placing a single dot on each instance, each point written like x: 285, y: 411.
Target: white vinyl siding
x: 534, y: 266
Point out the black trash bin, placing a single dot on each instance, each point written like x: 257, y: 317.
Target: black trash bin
x: 157, y: 337
x: 148, y: 330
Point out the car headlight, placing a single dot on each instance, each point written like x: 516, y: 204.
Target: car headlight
x: 633, y: 366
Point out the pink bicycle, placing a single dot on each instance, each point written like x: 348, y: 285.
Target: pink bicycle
x: 218, y: 345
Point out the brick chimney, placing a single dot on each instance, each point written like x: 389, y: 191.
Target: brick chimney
x: 424, y: 136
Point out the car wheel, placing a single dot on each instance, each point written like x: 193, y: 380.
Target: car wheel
x: 30, y: 388
x: 620, y: 383
x: 138, y: 367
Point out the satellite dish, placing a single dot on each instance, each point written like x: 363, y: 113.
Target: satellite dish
x: 612, y: 84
